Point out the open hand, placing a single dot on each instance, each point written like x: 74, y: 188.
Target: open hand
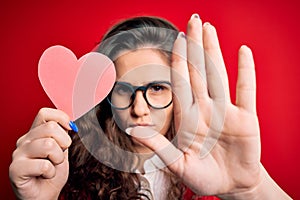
x: 218, y: 150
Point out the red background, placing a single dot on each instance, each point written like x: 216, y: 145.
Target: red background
x: 270, y: 28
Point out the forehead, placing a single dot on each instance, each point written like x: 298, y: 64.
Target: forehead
x: 142, y: 66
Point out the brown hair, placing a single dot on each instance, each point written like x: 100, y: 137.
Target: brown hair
x: 90, y: 178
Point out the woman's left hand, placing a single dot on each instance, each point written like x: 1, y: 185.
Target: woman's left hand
x: 218, y: 150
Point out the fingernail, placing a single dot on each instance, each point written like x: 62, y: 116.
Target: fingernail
x: 73, y: 126
x: 206, y: 23
x: 181, y: 34
x: 195, y: 15
x: 128, y: 130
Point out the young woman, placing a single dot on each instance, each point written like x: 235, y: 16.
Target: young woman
x: 167, y: 125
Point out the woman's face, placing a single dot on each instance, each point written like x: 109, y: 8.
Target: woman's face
x: 139, y: 68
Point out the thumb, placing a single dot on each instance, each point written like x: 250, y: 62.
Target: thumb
x: 158, y: 143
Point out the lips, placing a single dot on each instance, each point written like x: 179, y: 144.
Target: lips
x: 141, y: 124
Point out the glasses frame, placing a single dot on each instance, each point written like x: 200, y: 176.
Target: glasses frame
x: 134, y: 90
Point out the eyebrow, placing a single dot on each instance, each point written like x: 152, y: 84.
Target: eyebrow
x: 145, y: 84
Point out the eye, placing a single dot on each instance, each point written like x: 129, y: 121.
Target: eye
x: 159, y: 88
x: 122, y: 89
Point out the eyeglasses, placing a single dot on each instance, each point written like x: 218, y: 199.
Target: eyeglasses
x: 158, y: 95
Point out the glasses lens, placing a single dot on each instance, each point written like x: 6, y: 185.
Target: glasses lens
x: 159, y: 95
x: 121, y: 95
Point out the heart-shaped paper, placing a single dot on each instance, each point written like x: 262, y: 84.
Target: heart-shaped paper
x: 75, y: 85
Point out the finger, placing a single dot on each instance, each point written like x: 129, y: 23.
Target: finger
x: 180, y: 73
x: 49, y: 114
x: 195, y: 55
x: 41, y: 148
x: 246, y: 82
x: 22, y: 170
x: 47, y: 130
x: 217, y: 79
x: 169, y: 154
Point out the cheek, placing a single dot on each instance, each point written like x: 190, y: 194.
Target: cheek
x: 120, y: 117
x: 164, y: 119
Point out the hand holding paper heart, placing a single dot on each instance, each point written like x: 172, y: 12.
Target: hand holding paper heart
x: 75, y: 85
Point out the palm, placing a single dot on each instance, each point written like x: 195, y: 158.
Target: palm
x: 234, y: 153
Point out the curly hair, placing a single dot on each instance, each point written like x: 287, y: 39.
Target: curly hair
x: 90, y: 178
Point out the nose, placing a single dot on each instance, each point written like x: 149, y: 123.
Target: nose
x: 139, y: 107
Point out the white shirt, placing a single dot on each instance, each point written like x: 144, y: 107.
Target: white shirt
x: 155, y: 174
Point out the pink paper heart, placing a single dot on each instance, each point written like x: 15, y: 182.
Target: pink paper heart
x: 75, y: 85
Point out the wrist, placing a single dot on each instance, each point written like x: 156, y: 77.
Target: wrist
x: 266, y: 188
